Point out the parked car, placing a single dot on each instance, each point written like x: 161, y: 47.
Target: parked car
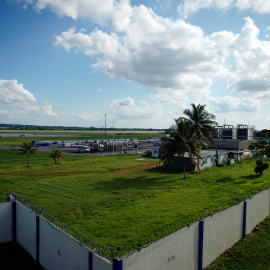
x: 83, y: 149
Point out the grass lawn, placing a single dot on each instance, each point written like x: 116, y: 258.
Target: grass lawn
x: 251, y: 253
x: 118, y: 198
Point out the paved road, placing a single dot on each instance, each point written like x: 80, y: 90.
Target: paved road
x: 6, y: 135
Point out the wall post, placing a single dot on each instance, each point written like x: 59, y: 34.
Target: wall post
x: 117, y: 264
x: 244, y: 220
x: 37, y: 238
x: 14, y: 222
x: 201, y: 230
x: 90, y: 261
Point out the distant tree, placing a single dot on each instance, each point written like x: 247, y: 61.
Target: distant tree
x: 27, y: 149
x: 262, y: 156
x: 202, y: 122
x: 261, y: 165
x: 264, y: 133
x: 180, y: 139
x: 252, y: 146
x: 56, y: 154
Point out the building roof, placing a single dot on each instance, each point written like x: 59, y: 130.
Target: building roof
x: 211, y: 153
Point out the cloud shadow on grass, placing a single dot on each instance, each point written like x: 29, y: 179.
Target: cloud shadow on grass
x: 225, y: 179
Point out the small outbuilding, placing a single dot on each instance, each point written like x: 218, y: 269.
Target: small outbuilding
x: 209, y: 160
x: 156, y: 152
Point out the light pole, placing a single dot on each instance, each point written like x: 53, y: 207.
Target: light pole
x: 105, y: 124
x: 113, y: 135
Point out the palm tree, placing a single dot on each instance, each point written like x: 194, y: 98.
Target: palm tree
x: 56, y: 154
x: 27, y: 149
x: 180, y: 139
x: 202, y: 122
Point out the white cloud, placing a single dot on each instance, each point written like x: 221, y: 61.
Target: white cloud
x: 153, y: 51
x: 85, y: 116
x: 12, y: 93
x: 176, y: 58
x: 101, y: 11
x: 172, y: 56
x: 251, y: 57
x: 21, y: 102
x: 127, y: 109
x: 192, y: 6
x: 248, y: 38
x: 100, y: 91
x: 228, y: 104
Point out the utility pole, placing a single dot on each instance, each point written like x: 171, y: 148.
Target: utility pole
x: 113, y: 135
x: 105, y: 125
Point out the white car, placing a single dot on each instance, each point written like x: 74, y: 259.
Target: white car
x: 83, y: 149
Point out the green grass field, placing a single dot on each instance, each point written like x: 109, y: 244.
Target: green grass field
x: 117, y: 198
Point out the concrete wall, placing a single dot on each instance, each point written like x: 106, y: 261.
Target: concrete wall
x: 60, y: 251
x: 176, y: 251
x: 26, y: 229
x: 221, y: 231
x: 258, y: 207
x: 57, y: 250
x: 5, y: 222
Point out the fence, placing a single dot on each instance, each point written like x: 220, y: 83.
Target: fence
x: 190, y: 243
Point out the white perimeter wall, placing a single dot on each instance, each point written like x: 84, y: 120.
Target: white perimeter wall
x: 57, y: 250
x: 258, y: 207
x: 26, y: 229
x: 60, y: 251
x: 221, y: 231
x: 5, y: 222
x: 179, y: 250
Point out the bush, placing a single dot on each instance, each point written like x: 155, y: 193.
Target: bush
x: 261, y: 166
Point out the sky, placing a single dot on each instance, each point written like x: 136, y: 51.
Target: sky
x: 140, y: 62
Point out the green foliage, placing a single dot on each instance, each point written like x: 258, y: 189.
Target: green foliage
x: 179, y: 140
x: 261, y: 165
x: 262, y: 156
x: 27, y: 149
x: 185, y: 135
x: 56, y: 155
x: 252, y: 146
x: 202, y: 122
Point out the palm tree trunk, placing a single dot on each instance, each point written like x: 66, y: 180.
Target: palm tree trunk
x: 28, y: 157
x: 184, y: 167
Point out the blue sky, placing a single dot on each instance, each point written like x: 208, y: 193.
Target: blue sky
x: 69, y: 63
